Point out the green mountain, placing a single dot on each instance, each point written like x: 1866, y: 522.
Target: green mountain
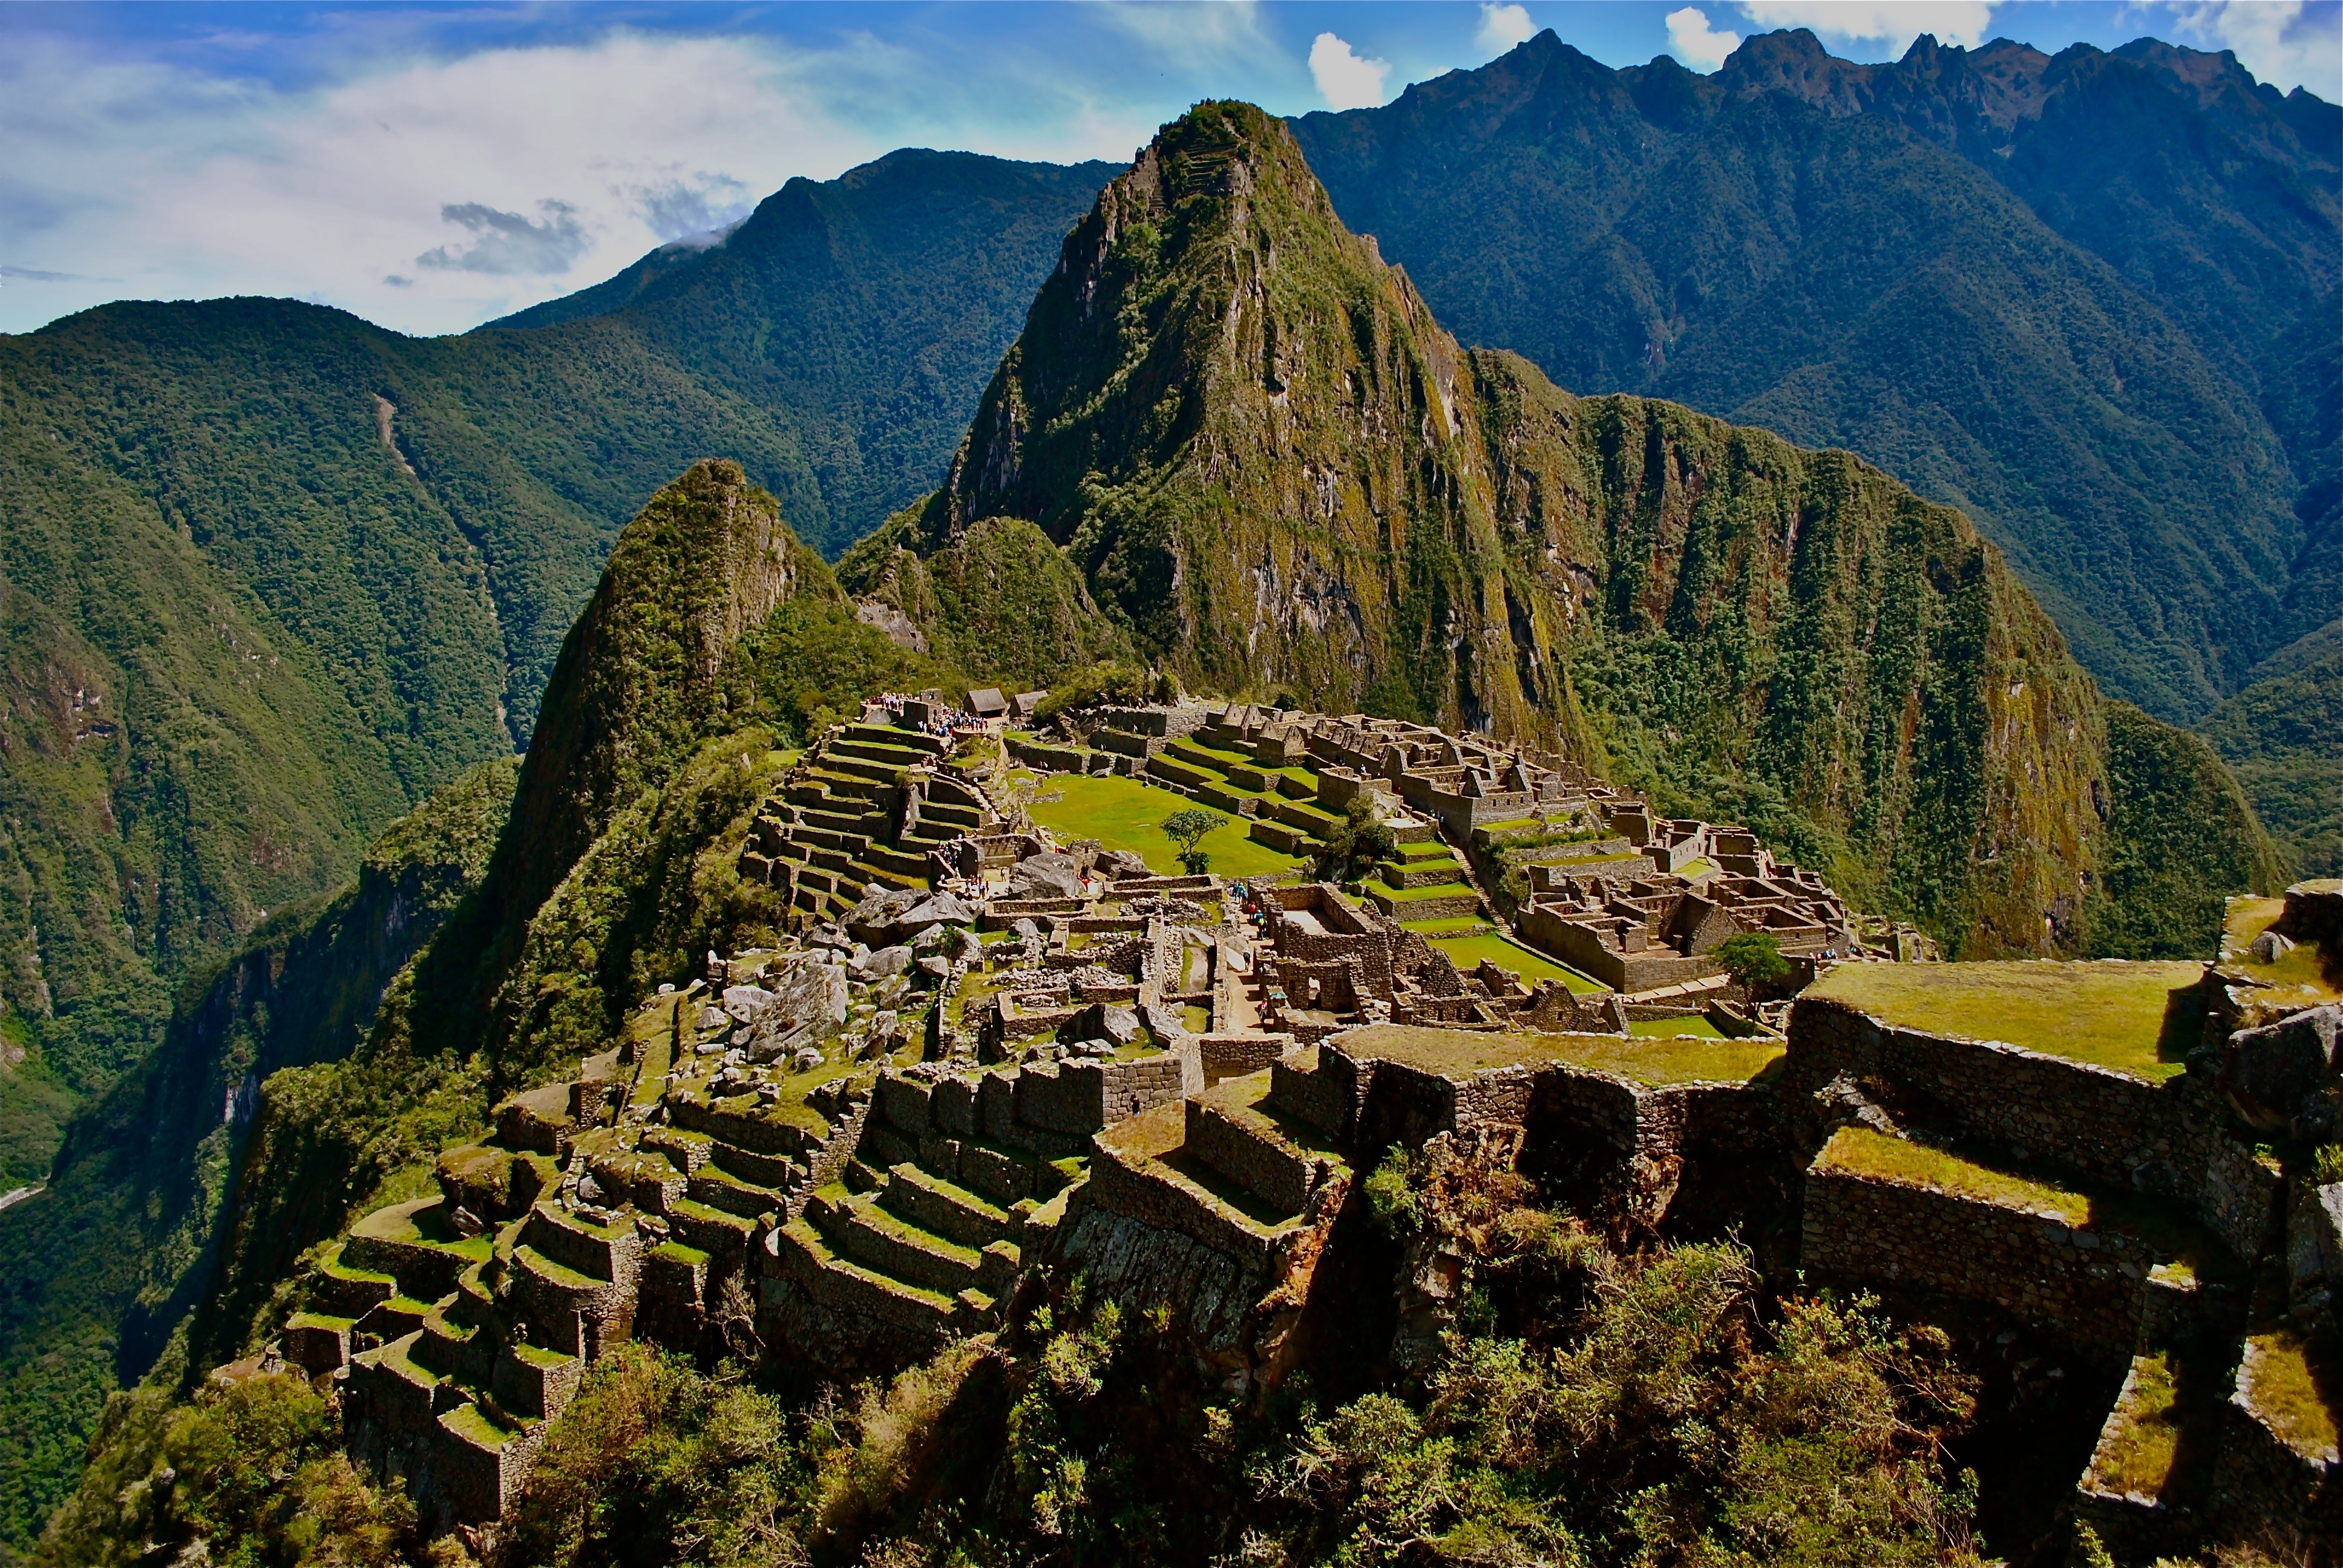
x: 269, y: 574
x: 2284, y: 737
x: 2088, y: 300
x: 98, y: 1272
x: 1265, y: 461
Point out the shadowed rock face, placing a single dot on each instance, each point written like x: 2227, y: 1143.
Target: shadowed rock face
x: 1266, y: 461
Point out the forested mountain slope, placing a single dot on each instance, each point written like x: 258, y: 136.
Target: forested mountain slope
x: 2090, y: 300
x: 1268, y: 463
x: 268, y: 574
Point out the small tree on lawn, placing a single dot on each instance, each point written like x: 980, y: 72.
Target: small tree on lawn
x: 1753, y: 960
x: 1360, y: 842
x: 1188, y: 828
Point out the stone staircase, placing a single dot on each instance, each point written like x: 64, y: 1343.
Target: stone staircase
x: 923, y: 1237
x: 864, y: 808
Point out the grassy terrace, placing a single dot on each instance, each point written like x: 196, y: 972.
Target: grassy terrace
x: 1860, y: 1152
x: 2284, y: 1392
x: 2137, y: 1455
x: 1457, y: 1052
x: 1467, y: 952
x: 2304, y: 969
x: 2108, y: 1011
x: 2190, y: 1249
x: 1448, y: 926
x: 1125, y: 814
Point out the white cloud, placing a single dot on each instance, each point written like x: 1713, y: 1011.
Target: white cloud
x: 1893, y: 23
x: 1694, y: 43
x: 2285, y: 42
x: 429, y: 194
x: 1345, y: 80
x: 1503, y: 26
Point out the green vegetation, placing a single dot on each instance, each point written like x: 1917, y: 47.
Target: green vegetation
x: 2303, y: 966
x: 2138, y: 1456
x: 1753, y: 959
x: 2284, y: 737
x: 105, y: 1268
x: 2108, y: 1012
x: 1883, y: 703
x: 1860, y: 1152
x: 2203, y: 470
x: 1362, y: 841
x: 1458, y: 1052
x: 256, y: 1468
x: 1187, y: 829
x: 1468, y: 952
x: 1691, y: 1026
x: 2286, y: 1393
x: 1124, y: 814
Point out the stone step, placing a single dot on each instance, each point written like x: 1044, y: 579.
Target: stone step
x: 945, y: 1208
x: 885, y: 753
x: 869, y: 874
x: 820, y: 839
x: 1143, y: 1169
x: 719, y: 1189
x: 805, y: 1252
x: 863, y: 768
x: 858, y: 1228
x: 715, y: 1231
x: 899, y: 740
x: 967, y: 819
x: 1280, y: 1160
x: 910, y: 865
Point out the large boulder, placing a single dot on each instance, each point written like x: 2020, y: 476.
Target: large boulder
x: 807, y: 1004
x: 873, y: 920
x: 932, y: 910
x: 2279, y: 1076
x: 1048, y: 875
x: 1119, y: 863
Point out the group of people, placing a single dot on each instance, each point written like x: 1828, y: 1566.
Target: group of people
x: 942, y: 724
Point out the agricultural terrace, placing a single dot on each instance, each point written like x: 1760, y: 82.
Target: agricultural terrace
x: 1655, y: 1063
x: 1467, y: 953
x: 1125, y: 814
x: 2109, y: 1012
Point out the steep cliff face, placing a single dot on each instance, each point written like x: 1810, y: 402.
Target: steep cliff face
x: 639, y: 681
x: 1274, y: 467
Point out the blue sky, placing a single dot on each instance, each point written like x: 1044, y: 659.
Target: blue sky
x: 430, y: 166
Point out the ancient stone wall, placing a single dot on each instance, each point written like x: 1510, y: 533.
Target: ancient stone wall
x: 2104, y: 1126
x: 2088, y: 1287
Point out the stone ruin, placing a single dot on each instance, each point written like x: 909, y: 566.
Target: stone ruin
x: 832, y: 1159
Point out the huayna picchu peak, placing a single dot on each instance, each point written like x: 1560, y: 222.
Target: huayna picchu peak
x: 1269, y: 465
x: 1330, y: 952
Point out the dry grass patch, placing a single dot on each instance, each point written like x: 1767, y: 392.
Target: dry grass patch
x: 2109, y: 1012
x: 2283, y: 1387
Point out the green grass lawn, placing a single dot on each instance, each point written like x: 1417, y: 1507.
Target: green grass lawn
x: 1456, y: 1052
x: 1417, y: 895
x: 1449, y: 926
x: 1693, y: 1026
x: 1466, y: 953
x: 2108, y: 1012
x: 1429, y: 849
x: 1124, y: 814
x: 2283, y: 1390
